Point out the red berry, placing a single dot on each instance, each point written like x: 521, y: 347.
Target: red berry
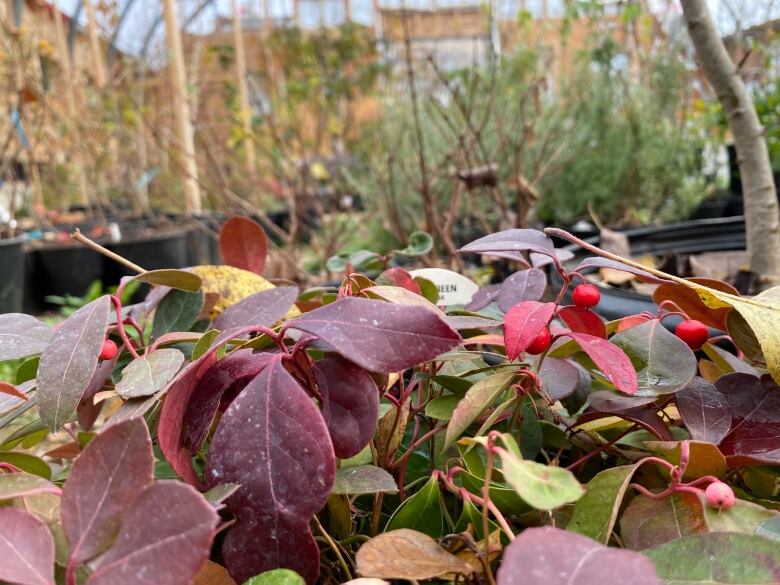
x: 586, y: 295
x: 540, y: 343
x: 719, y: 496
x: 692, y: 332
x: 109, y: 350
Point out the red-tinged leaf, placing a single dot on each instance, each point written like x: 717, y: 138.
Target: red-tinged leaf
x: 687, y: 299
x: 607, y: 401
x: 644, y: 416
x: 350, y: 404
x: 22, y: 335
x: 514, y: 240
x: 219, y: 386
x: 399, y: 277
x: 20, y: 484
x: 149, y: 373
x: 599, y: 262
x: 11, y: 390
x: 583, y: 320
x: 379, y: 336
x: 87, y: 412
x: 551, y: 556
x: 460, y: 322
x: 243, y: 244
x: 483, y: 297
x: 273, y: 442
x: 648, y: 522
x: 264, y: 308
x: 104, y: 480
x: 523, y: 323
x: 632, y: 321
x: 705, y: 411
x: 9, y: 403
x: 525, y: 285
x: 164, y: 538
x: 69, y: 362
x: 26, y: 549
x: 610, y: 359
x: 561, y: 378
x: 754, y: 437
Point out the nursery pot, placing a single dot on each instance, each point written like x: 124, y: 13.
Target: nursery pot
x: 165, y: 250
x: 66, y: 269
x: 12, y: 267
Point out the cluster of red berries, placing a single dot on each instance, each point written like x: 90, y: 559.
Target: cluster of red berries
x: 584, y: 296
x: 109, y: 350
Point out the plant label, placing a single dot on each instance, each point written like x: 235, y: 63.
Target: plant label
x: 454, y: 288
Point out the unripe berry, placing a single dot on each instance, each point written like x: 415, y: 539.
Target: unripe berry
x: 108, y: 351
x: 694, y: 333
x: 719, y: 496
x: 540, y: 343
x: 586, y: 295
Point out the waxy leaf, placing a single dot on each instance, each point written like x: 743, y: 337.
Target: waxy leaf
x: 20, y: 484
x: 69, y: 362
x: 755, y: 420
x: 583, y: 321
x: 551, y: 556
x: 544, y: 487
x: 481, y: 395
x: 362, y: 479
x: 22, y: 335
x: 26, y: 549
x: 610, y: 359
x: 664, y: 363
x: 514, y: 240
x: 350, y: 404
x: 399, y: 277
x: 243, y: 244
x: 105, y: 479
x: 420, y: 512
x: 525, y: 285
x: 150, y: 373
x: 9, y: 402
x: 400, y: 296
x: 705, y: 458
x: 177, y: 312
x: 523, y: 323
x: 689, y: 302
x: 459, y: 322
x: 483, y: 297
x: 264, y: 308
x: 718, y: 558
x: 612, y: 402
x: 644, y: 416
x: 415, y: 556
x: 379, y: 336
x: 178, y: 279
x: 596, y: 512
x: 273, y: 442
x: 561, y: 378
x: 648, y: 522
x: 87, y: 411
x: 705, y: 411
x: 743, y: 516
x: 165, y: 536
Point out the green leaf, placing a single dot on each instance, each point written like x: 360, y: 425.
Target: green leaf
x: 472, y: 515
x: 150, y: 373
x: 530, y: 433
x: 177, y: 312
x: 543, y: 487
x: 428, y: 289
x: 26, y: 462
x: 204, y: 343
x: 27, y: 370
x: 648, y: 522
x: 277, y: 577
x: 363, y: 479
x: 481, y: 395
x: 596, y: 512
x: 710, y: 559
x: 421, y: 512
x: 441, y: 408
x: 744, y: 517
x: 176, y: 279
x: 420, y: 243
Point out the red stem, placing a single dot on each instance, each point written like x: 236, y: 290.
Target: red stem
x: 121, y: 328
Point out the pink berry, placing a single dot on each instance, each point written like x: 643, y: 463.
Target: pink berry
x: 719, y: 496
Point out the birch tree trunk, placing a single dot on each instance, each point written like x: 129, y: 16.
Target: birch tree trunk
x: 762, y: 218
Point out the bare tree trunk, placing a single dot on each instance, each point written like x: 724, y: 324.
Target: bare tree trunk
x: 762, y: 217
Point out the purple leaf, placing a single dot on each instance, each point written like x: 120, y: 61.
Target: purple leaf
x: 647, y: 522
x: 459, y: 322
x: 551, y: 556
x: 87, y: 412
x: 610, y: 359
x: 20, y: 484
x: 755, y: 420
x: 26, y: 549
x: 539, y: 260
x: 264, y: 308
x: 560, y: 378
x: 224, y: 379
x: 379, y: 336
x: 483, y: 297
x: 583, y: 320
x: 164, y: 538
x: 113, y: 469
x: 514, y: 240
x: 645, y: 416
x: 599, y: 262
x: 273, y: 442
x: 69, y: 362
x: 523, y: 323
x: 525, y: 285
x: 519, y: 257
x: 705, y: 411
x: 22, y: 335
x: 350, y: 404
x: 607, y: 401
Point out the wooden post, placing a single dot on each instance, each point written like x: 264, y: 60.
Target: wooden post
x: 98, y: 66
x: 347, y: 11
x: 268, y: 19
x: 377, y: 14
x: 297, y: 12
x: 185, y: 147
x: 243, y: 91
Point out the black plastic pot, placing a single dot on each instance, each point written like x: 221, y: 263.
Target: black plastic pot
x: 12, y: 269
x: 168, y: 250
x: 66, y: 269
